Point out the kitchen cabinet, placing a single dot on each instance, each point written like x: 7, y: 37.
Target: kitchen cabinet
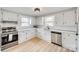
x: 78, y: 30
x: 59, y: 19
x: 22, y: 36
x: 40, y: 21
x: 78, y: 43
x: 26, y: 35
x: 33, y: 21
x: 78, y: 16
x: 8, y: 16
x: 69, y: 40
x: 44, y: 34
x: 31, y: 34
x: 69, y: 18
x: 40, y: 33
x: 47, y: 36
x: 78, y: 20
x: 0, y: 16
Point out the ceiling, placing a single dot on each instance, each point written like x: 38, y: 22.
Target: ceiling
x: 29, y: 10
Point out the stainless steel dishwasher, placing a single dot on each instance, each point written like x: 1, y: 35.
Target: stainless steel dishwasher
x: 56, y: 38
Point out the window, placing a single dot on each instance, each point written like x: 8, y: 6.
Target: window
x: 25, y: 21
x: 49, y: 21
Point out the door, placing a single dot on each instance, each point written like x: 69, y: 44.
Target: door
x: 69, y: 40
x: 15, y: 37
x: 4, y: 39
x: 22, y: 36
x: 40, y: 21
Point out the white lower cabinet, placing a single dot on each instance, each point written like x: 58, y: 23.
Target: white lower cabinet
x: 47, y: 36
x: 69, y: 40
x: 22, y: 36
x: 44, y: 34
x: 26, y: 35
x: 78, y: 43
x: 40, y: 33
x: 31, y: 34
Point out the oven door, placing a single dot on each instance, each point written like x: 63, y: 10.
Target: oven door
x: 15, y: 37
x: 4, y: 39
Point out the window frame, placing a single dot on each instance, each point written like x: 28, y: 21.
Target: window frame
x: 50, y: 22
x: 28, y: 22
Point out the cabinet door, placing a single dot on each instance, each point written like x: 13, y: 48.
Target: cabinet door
x: 78, y: 43
x: 69, y: 18
x: 33, y: 21
x: 78, y: 18
x: 59, y: 19
x: 40, y: 21
x: 30, y: 34
x: 22, y: 36
x: 9, y: 16
x: 0, y: 16
x: 69, y: 40
x: 47, y: 36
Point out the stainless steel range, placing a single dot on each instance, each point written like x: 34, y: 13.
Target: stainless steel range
x: 9, y: 37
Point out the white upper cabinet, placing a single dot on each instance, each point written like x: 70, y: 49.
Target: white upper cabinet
x: 78, y: 19
x: 69, y: 18
x: 59, y: 19
x: 33, y: 21
x: 8, y: 16
x: 40, y: 20
x: 0, y: 15
x: 78, y: 15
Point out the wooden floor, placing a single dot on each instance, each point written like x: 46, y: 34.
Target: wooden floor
x: 36, y: 45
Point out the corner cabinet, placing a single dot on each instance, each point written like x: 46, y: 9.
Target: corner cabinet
x: 44, y: 35
x: 69, y: 40
x: 31, y: 34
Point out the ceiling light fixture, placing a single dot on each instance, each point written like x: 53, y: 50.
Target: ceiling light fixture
x: 37, y: 10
